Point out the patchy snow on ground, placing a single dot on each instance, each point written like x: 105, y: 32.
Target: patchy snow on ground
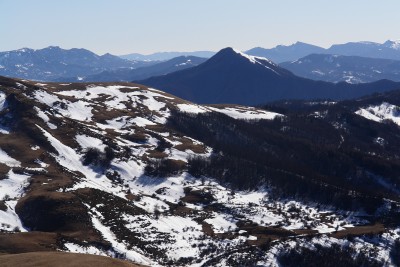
x: 151, y: 204
x: 237, y: 112
x: 3, y: 103
x: 172, y: 187
x: 124, y: 122
x: 181, y: 216
x: 45, y: 118
x: 178, y: 233
x: 378, y: 247
x: 119, y: 247
x: 13, y: 186
x: 41, y: 84
x: 78, y: 110
x: 192, y: 108
x: 246, y: 113
x: 75, y: 248
x: 70, y: 159
x: 113, y: 97
x: 4, y: 130
x: 86, y: 141
x: 46, y: 98
x: 222, y: 223
x: 256, y: 207
x: 7, y: 160
x: 385, y: 111
x: 9, y: 220
x: 11, y: 189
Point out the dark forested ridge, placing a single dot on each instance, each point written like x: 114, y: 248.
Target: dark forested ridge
x: 302, y: 155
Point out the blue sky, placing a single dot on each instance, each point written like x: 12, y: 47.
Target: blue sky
x: 145, y: 26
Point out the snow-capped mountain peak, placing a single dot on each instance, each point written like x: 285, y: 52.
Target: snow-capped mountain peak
x: 394, y: 44
x: 254, y: 59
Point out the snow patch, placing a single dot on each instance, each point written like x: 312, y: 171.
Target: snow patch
x: 7, y: 160
x: 45, y: 118
x: 258, y: 60
x: 70, y: 159
x: 75, y: 248
x: 192, y: 108
x: 87, y: 141
x: 385, y: 111
x: 221, y: 223
x: 120, y: 247
x: 3, y: 103
x: 247, y: 113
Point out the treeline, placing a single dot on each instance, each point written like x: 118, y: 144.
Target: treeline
x: 332, y: 256
x: 298, y: 156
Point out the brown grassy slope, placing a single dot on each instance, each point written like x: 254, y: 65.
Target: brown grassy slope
x: 60, y: 259
x: 27, y: 242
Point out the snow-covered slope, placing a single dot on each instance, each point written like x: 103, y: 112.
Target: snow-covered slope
x: 382, y: 112
x: 102, y: 166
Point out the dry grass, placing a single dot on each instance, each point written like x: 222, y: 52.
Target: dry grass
x: 27, y: 242
x: 60, y: 259
x: 360, y: 230
x: 305, y: 232
x: 200, y: 149
x: 3, y: 206
x: 207, y: 229
x: 157, y: 154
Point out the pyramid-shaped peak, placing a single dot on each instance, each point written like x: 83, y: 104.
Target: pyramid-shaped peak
x: 233, y: 53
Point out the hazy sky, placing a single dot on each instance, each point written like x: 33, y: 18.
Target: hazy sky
x: 145, y: 26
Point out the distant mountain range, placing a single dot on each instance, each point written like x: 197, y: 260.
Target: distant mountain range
x: 127, y: 74
x: 389, y: 49
x: 53, y: 62
x: 162, y: 56
x: 352, y: 69
x: 281, y: 53
x: 234, y: 77
x: 56, y: 64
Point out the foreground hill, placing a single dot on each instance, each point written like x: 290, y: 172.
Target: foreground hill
x: 127, y: 74
x: 233, y: 77
x: 131, y: 172
x: 51, y: 63
x: 351, y: 69
x: 53, y: 259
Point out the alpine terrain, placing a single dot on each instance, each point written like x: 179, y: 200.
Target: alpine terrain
x: 130, y: 172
